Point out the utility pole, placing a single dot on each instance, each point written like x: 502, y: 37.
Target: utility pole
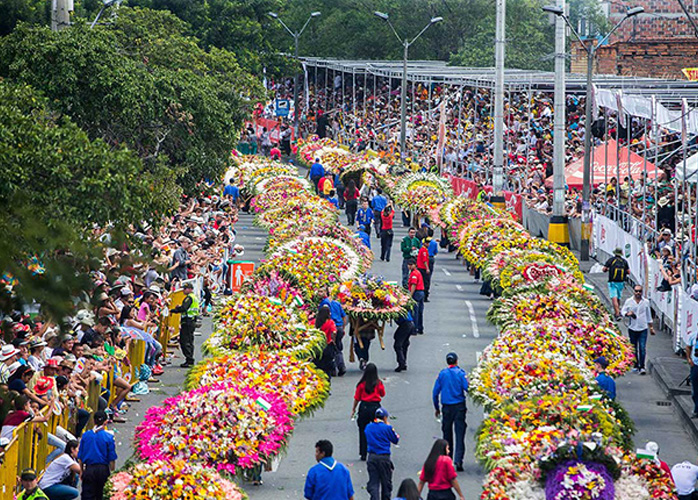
x: 60, y: 14
x: 497, y: 199
x: 558, y: 229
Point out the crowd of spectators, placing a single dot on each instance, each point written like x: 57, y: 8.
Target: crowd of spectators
x: 50, y: 366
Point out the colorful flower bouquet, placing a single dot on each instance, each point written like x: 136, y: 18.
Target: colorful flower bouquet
x: 283, y: 183
x: 172, y: 480
x: 270, y: 283
x: 373, y: 298
x: 501, y: 378
x: 479, y: 238
x: 256, y: 322
x: 300, y: 383
x: 574, y: 480
x: 643, y: 479
x: 298, y: 209
x: 421, y: 192
x: 222, y: 425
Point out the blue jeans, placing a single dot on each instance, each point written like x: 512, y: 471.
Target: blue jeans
x: 418, y: 311
x: 639, y: 341
x: 454, y: 416
x: 405, y: 273
x: 61, y: 492
x: 59, y: 446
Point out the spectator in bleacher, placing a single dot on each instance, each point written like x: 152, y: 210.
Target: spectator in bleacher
x: 18, y: 382
x: 665, y: 240
x: 61, y: 475
x: 67, y: 342
x: 36, y: 355
x: 97, y: 458
x: 30, y: 487
x: 100, y: 328
x: 22, y: 413
x: 21, y: 345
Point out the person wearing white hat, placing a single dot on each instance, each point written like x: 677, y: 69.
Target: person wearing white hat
x: 8, y: 355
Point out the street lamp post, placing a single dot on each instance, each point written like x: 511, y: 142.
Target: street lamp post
x: 403, y: 91
x: 590, y: 49
x: 296, y: 36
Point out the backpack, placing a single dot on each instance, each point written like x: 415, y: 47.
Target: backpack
x: 618, y: 269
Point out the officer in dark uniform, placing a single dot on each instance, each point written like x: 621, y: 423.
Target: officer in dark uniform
x: 190, y: 312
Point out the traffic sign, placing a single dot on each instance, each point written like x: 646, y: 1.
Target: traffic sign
x: 282, y: 107
x: 237, y: 272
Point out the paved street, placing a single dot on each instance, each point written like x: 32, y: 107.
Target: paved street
x: 454, y: 320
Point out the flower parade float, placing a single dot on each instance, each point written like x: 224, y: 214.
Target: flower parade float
x: 370, y: 302
x: 421, y: 193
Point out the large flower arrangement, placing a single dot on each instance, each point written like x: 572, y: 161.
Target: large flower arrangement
x: 523, y: 431
x: 330, y: 154
x: 271, y: 283
x: 300, y: 383
x: 523, y: 241
x: 512, y: 378
x: 643, y: 479
x: 256, y: 322
x: 373, y: 298
x: 479, y: 238
x: 299, y: 209
x: 575, y: 480
x: 221, y: 425
x: 172, y: 480
x: 282, y: 183
x: 421, y: 192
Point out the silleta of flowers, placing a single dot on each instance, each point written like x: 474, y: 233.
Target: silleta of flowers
x: 172, y: 480
x: 298, y: 382
x: 222, y: 425
x: 421, y: 192
x: 256, y: 322
x: 373, y: 298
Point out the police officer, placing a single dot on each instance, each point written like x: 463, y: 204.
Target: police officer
x: 452, y: 386
x: 190, y: 312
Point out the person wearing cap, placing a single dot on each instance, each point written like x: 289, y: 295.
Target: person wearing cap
x: 97, y: 458
x: 452, y: 387
x: 639, y: 314
x: 189, y: 309
x: 379, y: 435
x: 179, y: 267
x: 607, y: 384
x: 685, y: 475
x: 415, y: 285
x: 8, y: 355
x: 653, y: 447
x: 328, y: 479
x: 30, y: 486
x: 617, y: 268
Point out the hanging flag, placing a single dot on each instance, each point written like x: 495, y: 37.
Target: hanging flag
x: 442, y: 134
x: 619, y: 104
x: 594, y: 103
x: 264, y: 79
x: 305, y: 87
x: 684, y: 121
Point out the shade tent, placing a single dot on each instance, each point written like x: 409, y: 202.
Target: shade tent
x: 604, y: 166
x: 691, y: 169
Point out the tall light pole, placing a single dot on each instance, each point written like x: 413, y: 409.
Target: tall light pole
x: 590, y: 49
x: 497, y: 199
x: 296, y: 36
x: 558, y: 229
x: 403, y: 91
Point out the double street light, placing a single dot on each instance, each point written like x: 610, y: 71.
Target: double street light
x: 590, y: 48
x: 403, y: 92
x: 296, y: 36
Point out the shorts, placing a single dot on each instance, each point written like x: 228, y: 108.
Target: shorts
x: 615, y: 288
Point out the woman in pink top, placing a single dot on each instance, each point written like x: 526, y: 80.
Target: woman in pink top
x: 439, y: 473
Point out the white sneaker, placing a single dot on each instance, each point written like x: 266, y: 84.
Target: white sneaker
x: 642, y: 371
x: 634, y: 370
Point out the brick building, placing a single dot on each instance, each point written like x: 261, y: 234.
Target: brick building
x: 658, y: 43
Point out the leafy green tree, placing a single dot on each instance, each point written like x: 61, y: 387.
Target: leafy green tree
x: 140, y: 82
x: 55, y: 186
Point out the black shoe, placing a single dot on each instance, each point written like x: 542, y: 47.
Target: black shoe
x: 459, y: 467
x: 341, y: 373
x: 186, y: 364
x: 426, y: 300
x: 420, y: 333
x: 399, y: 369
x: 362, y: 364
x: 694, y: 415
x: 387, y: 260
x: 363, y: 459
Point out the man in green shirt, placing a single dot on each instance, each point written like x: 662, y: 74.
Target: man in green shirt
x: 31, y: 487
x: 410, y: 248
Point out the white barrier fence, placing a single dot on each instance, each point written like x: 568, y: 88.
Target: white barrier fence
x: 678, y: 308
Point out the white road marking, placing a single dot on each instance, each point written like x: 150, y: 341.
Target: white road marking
x: 459, y: 288
x: 446, y: 271
x: 473, y: 319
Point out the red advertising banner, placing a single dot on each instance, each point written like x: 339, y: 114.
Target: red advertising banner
x: 273, y: 126
x: 469, y: 189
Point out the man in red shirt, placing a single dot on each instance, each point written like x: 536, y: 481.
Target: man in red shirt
x: 415, y: 283
x: 423, y: 266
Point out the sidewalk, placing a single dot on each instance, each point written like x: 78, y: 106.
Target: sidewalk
x: 659, y: 404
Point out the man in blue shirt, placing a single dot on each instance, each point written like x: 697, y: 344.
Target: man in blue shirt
x: 379, y: 435
x: 97, y: 458
x: 378, y: 203
x: 692, y: 357
x: 606, y: 383
x: 337, y: 315
x: 432, y: 249
x: 365, y: 238
x: 317, y: 172
x: 364, y: 216
x: 452, y: 385
x: 328, y: 480
x: 232, y: 192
